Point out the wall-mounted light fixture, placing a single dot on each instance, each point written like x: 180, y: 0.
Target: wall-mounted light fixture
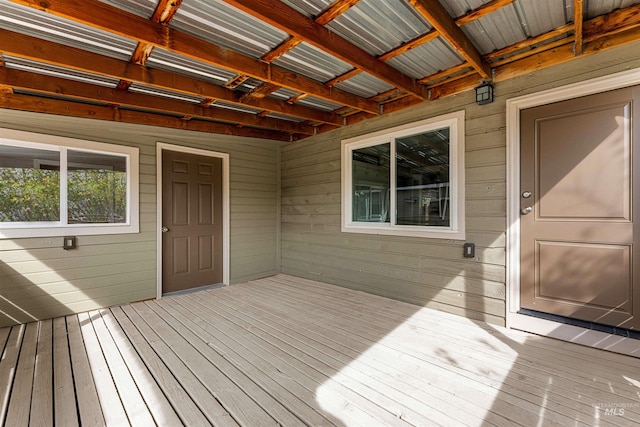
x: 484, y: 93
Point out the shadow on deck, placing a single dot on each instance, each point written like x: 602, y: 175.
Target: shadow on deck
x: 290, y: 351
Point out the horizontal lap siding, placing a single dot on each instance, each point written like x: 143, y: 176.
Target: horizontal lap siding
x: 38, y: 279
x: 428, y: 272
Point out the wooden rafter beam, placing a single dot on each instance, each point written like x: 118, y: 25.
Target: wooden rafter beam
x: 440, y: 19
x: 236, y: 81
x: 96, y: 112
x: 526, y: 53
x: 611, y: 35
x: 485, y: 9
x: 88, y: 92
x: 334, y: 10
x: 101, y: 15
x: 578, y: 14
x: 445, y: 73
x: 164, y: 12
x: 539, y: 60
x: 281, y: 49
x: 260, y: 91
x: 528, y: 43
x: 298, y: 25
x: 467, y: 18
x: 616, y: 21
x: 329, y: 14
x: 24, y: 46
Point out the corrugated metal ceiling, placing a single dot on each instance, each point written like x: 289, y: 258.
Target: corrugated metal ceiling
x: 376, y: 26
x: 57, y: 71
x: 49, y: 27
x: 224, y: 25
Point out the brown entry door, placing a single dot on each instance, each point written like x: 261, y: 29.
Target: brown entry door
x: 191, y: 221
x: 580, y: 201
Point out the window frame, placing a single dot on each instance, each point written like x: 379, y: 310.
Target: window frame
x: 456, y: 230
x: 9, y: 230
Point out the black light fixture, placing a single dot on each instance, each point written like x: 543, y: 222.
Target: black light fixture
x: 484, y: 93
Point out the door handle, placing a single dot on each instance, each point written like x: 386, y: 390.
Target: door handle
x: 526, y: 210
x: 164, y: 229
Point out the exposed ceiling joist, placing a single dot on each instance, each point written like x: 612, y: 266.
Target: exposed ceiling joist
x: 298, y: 25
x: 65, y: 108
x: 467, y: 18
x: 84, y: 91
x: 616, y: 21
x: 24, y: 46
x: 440, y: 19
x: 164, y: 12
x: 537, y: 59
x: 578, y: 14
x: 333, y: 11
x: 484, y: 10
x: 100, y: 15
x: 172, y: 99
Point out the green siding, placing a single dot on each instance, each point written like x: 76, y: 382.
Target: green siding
x: 38, y: 279
x: 428, y: 272
x: 285, y: 215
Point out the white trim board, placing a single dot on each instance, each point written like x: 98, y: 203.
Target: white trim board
x: 527, y: 323
x: 226, y: 246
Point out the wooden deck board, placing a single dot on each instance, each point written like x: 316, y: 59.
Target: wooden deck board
x: 105, y: 385
x: 319, y: 366
x: 151, y: 394
x: 290, y: 351
x: 20, y: 400
x: 42, y: 394
x: 258, y: 367
x: 465, y: 363
x: 200, y: 395
x: 66, y: 413
x: 337, y: 350
x: 440, y: 376
x: 87, y: 400
x: 8, y: 366
x: 305, y: 379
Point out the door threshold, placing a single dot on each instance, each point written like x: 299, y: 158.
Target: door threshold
x: 600, y: 327
x: 574, y: 334
x: 190, y: 290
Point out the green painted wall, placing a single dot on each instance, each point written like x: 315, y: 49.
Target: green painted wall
x: 427, y: 272
x: 38, y: 279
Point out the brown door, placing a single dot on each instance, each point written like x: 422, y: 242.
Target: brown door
x: 580, y: 201
x: 191, y: 221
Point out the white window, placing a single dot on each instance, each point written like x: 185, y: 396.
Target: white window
x: 53, y: 186
x: 406, y: 181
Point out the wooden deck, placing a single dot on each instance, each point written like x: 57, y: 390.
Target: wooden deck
x: 288, y: 351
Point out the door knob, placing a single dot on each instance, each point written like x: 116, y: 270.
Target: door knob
x: 164, y: 229
x: 526, y: 194
x: 526, y: 210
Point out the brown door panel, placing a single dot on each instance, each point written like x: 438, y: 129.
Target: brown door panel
x: 579, y: 240
x: 192, y: 212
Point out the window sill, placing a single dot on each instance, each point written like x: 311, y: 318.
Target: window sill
x: 406, y: 231
x: 35, y: 231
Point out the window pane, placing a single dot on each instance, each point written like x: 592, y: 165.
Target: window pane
x: 30, y: 184
x: 422, y: 179
x: 97, y: 188
x: 371, y: 177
